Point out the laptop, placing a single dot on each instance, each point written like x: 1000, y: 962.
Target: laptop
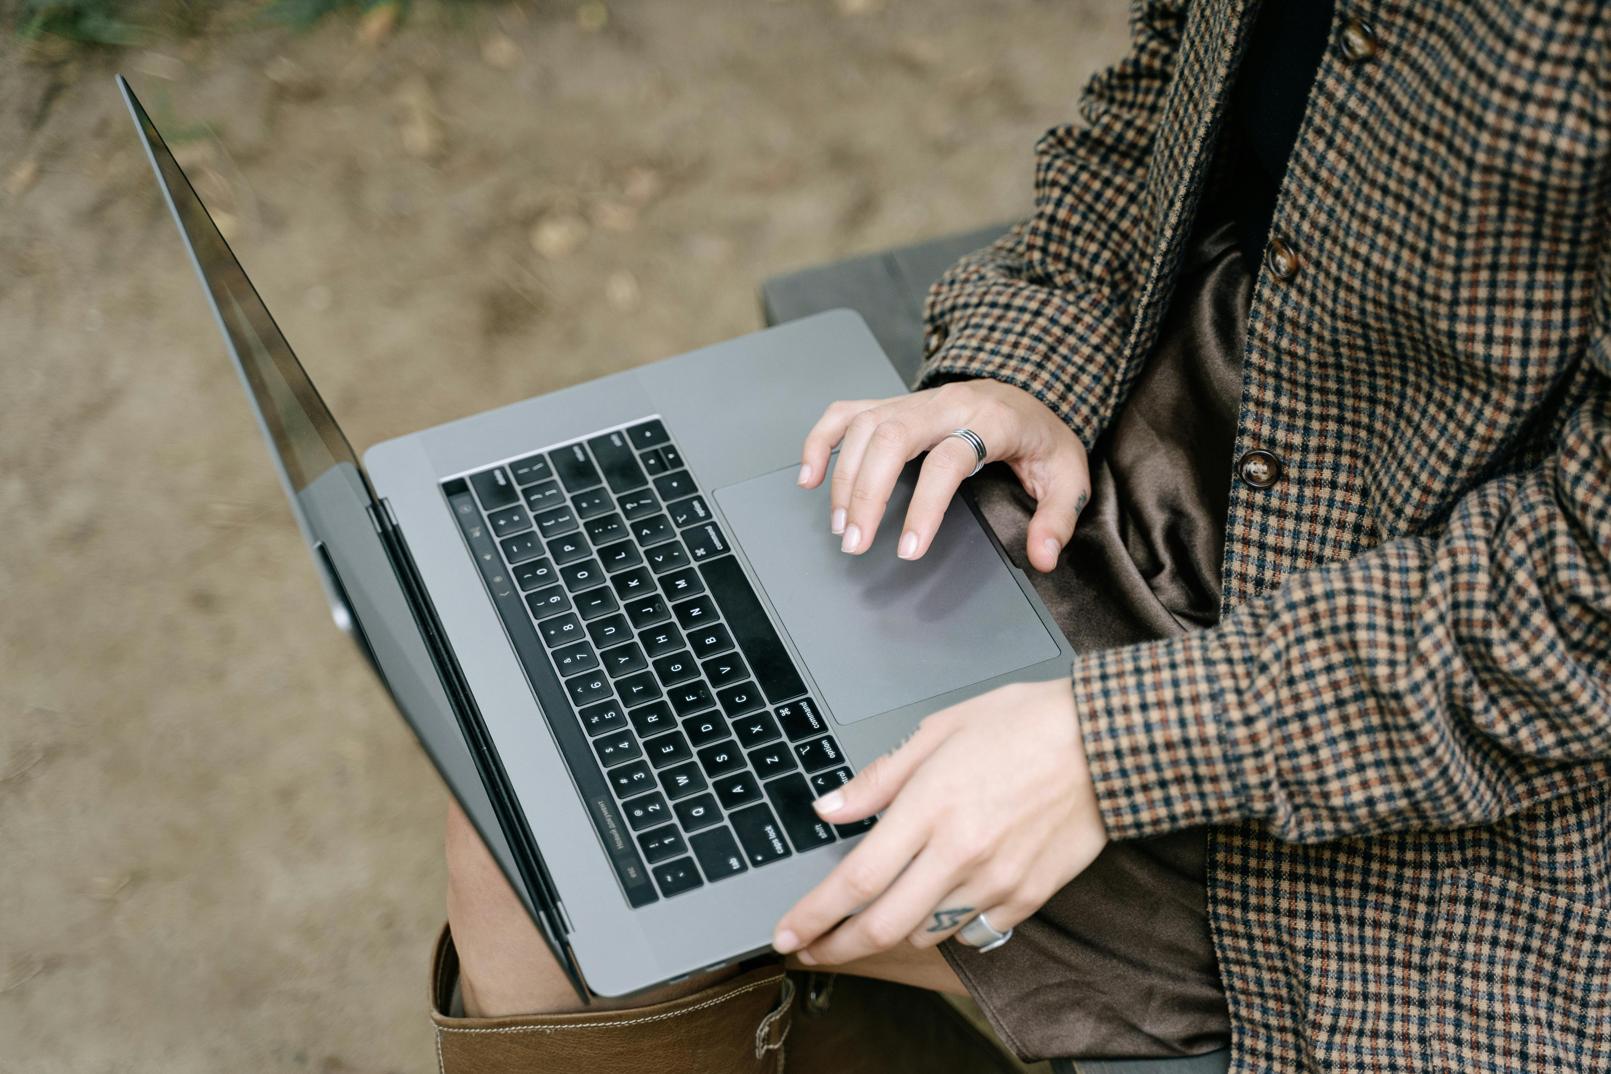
x: 622, y: 633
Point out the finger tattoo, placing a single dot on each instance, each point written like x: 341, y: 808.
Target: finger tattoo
x: 944, y: 920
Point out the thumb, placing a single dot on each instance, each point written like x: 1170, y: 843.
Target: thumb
x: 875, y: 786
x: 1052, y: 525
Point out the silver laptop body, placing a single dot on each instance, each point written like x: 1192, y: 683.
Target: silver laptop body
x: 650, y: 805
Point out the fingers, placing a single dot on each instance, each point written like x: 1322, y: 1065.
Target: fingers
x: 855, y: 882
x: 891, y: 445
x: 889, y: 919
x: 948, y: 465
x: 874, y: 787
x: 1057, y: 509
x: 820, y: 441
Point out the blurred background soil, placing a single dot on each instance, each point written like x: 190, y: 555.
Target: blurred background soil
x: 219, y: 847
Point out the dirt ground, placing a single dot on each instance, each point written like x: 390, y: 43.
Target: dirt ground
x: 219, y: 847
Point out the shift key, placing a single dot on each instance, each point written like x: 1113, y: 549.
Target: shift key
x: 791, y: 796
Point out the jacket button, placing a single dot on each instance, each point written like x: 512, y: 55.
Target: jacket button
x: 1282, y: 259
x: 1357, y: 42
x: 1259, y: 468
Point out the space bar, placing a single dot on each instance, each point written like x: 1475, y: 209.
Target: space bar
x: 773, y: 667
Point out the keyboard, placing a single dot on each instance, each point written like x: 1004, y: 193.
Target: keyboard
x: 689, y: 731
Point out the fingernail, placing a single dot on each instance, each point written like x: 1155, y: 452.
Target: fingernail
x: 852, y: 538
x: 805, y: 474
x: 785, y: 941
x: 837, y: 524
x: 806, y: 959
x: 1052, y: 547
x: 832, y: 802
x: 908, y: 548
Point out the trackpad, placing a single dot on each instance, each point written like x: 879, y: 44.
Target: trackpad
x: 877, y: 632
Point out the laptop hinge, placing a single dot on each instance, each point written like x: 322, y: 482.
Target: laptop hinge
x: 528, y: 858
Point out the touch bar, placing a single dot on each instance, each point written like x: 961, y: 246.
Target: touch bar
x: 774, y: 669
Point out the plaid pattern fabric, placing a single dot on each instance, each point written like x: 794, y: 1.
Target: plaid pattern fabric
x: 1401, y: 730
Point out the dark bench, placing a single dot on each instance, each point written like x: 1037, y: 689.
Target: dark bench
x: 887, y: 289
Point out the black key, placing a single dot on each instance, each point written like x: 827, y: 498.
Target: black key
x: 605, y: 716
x: 660, y: 640
x: 651, y: 530
x: 753, y: 630
x: 697, y: 813
x: 688, y: 512
x: 596, y: 602
x: 683, y: 780
x: 632, y: 584
x: 563, y: 550
x: 640, y: 504
x: 705, y: 540
x: 520, y: 548
x: 531, y: 469
x: 705, y: 728
x: 723, y: 670
x: 560, y: 630
x: 695, y: 613
x: 646, y: 809
x: 623, y: 660
x: 683, y: 583
x: 666, y: 557
x: 583, y: 574
x: 576, y: 471
x: 592, y: 503
x: 588, y: 688
x: 676, y: 877
x: 509, y: 520
x: 675, y: 485
x: 619, y: 556
x: 755, y: 729
x: 638, y: 689
x: 647, y: 435
x: 653, y: 718
x: 669, y: 748
x: 772, y: 760
x: 822, y: 783
x: 671, y: 456
x: 616, y: 748
x: 738, y: 790
x: 737, y: 700
x: 718, y: 854
x: 548, y: 602
x: 533, y: 573
x: 759, y: 833
x: 708, y: 641
x: 606, y: 529
x: 720, y: 759
x: 494, y: 489
x: 676, y: 668
x: 801, y: 719
x: 615, y: 458
x: 654, y: 463
x: 630, y: 779
x: 791, y: 797
x: 542, y: 496
x: 555, y: 521
x: 646, y: 611
x: 611, y: 630
x: 819, y: 753
x: 662, y: 843
x: 690, y: 697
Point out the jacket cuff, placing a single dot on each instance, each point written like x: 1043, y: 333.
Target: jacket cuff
x: 1157, y: 723
x: 1051, y: 343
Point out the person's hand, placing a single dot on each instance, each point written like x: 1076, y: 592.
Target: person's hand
x: 878, y: 437
x: 987, y: 808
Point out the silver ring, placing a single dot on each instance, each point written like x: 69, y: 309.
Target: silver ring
x: 980, y: 934
x: 971, y: 438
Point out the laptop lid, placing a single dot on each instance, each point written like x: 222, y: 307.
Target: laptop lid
x: 355, y: 550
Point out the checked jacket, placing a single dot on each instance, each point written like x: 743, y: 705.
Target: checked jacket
x: 1400, y: 732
